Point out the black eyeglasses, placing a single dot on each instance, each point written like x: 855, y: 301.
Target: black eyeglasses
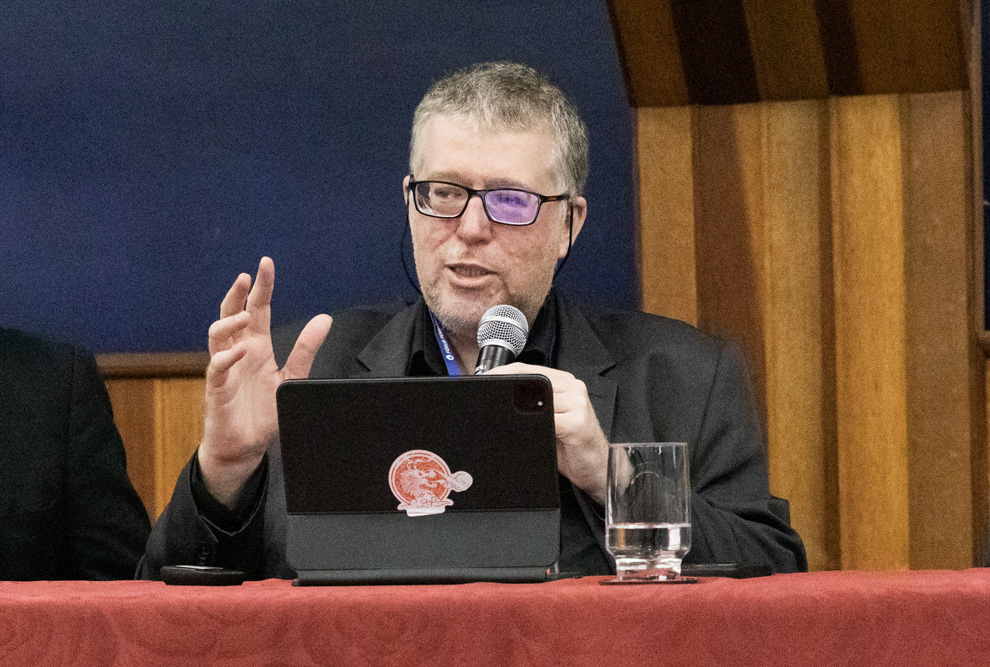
x: 507, y: 206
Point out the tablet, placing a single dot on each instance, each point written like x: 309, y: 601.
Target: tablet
x: 420, y: 480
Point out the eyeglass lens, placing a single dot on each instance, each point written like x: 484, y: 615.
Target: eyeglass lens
x: 513, y: 207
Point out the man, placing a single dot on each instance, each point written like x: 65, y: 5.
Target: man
x: 67, y: 507
x: 498, y: 164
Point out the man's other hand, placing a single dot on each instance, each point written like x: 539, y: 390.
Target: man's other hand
x: 582, y: 448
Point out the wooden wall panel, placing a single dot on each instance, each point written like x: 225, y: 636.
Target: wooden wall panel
x: 180, y: 429
x: 868, y: 247
x: 677, y: 52
x: 798, y: 329
x: 133, y: 403
x: 716, y: 51
x: 161, y: 423
x: 833, y: 240
x: 729, y: 231
x: 666, y: 213
x: 762, y: 245
x: 648, y: 47
x: 980, y: 458
x: 908, y: 46
x: 939, y: 342
x: 761, y: 199
x: 787, y: 49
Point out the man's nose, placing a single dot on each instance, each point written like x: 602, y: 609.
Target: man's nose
x: 474, y: 225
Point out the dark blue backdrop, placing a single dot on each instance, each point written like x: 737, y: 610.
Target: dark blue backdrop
x: 151, y: 150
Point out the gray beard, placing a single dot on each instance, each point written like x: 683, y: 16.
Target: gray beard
x: 465, y: 324
x: 460, y: 324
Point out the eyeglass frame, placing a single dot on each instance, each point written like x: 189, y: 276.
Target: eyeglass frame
x: 484, y: 204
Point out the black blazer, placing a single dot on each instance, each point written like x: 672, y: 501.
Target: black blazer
x: 650, y: 379
x: 67, y: 507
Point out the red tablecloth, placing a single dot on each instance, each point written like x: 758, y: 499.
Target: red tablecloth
x: 830, y: 618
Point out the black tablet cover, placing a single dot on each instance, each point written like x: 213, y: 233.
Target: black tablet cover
x: 420, y: 479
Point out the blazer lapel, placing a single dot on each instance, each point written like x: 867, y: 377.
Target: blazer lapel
x: 387, y: 355
x: 582, y: 353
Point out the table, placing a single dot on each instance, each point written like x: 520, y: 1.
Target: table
x: 828, y: 618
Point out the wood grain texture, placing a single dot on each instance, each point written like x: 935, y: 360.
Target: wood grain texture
x: 974, y: 40
x: 871, y: 383
x: 728, y: 195
x: 798, y: 322
x: 715, y: 51
x: 763, y: 251
x: 161, y: 423
x: 787, y: 49
x: 980, y: 478
x: 775, y: 201
x: 648, y: 47
x: 939, y: 345
x: 153, y: 364
x: 736, y: 51
x: 908, y: 46
x: 134, y: 413
x: 833, y: 242
x: 180, y: 429
x: 666, y: 213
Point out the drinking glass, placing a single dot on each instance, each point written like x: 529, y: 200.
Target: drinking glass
x: 648, y: 509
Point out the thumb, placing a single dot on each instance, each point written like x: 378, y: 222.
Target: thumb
x: 304, y: 351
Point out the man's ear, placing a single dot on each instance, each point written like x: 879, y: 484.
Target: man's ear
x: 578, y: 212
x: 405, y: 189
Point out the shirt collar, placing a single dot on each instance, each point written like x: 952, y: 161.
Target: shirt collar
x: 425, y: 358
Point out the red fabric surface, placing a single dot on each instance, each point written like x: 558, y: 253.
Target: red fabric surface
x: 829, y: 618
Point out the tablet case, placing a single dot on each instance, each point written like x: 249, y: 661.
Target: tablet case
x: 420, y: 480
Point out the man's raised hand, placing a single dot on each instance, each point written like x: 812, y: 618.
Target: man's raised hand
x: 241, y: 381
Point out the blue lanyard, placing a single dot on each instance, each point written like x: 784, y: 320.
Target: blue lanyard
x: 448, y: 355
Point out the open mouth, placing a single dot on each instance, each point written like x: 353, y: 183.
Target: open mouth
x: 468, y: 271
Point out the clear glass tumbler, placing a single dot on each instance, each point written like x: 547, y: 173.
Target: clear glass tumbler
x: 648, y: 509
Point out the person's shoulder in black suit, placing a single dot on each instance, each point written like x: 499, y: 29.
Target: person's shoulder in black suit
x: 67, y: 507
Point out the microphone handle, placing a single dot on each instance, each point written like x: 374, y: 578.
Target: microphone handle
x: 491, y: 356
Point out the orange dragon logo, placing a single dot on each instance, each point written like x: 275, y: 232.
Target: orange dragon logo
x: 421, y: 481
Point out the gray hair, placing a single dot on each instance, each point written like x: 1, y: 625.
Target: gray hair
x: 510, y: 96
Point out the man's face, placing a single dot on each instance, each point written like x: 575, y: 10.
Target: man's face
x: 468, y: 264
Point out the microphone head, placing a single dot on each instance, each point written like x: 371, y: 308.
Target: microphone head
x: 503, y: 325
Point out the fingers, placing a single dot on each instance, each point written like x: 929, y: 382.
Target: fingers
x: 304, y: 351
x: 261, y: 294
x: 508, y: 369
x: 571, y: 405
x: 236, y: 297
x: 519, y: 368
x: 221, y: 363
x: 242, y: 295
x: 582, y: 447
x: 223, y: 331
x: 570, y: 395
x: 256, y: 300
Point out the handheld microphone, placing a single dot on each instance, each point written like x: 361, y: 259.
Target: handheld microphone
x: 501, y: 336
